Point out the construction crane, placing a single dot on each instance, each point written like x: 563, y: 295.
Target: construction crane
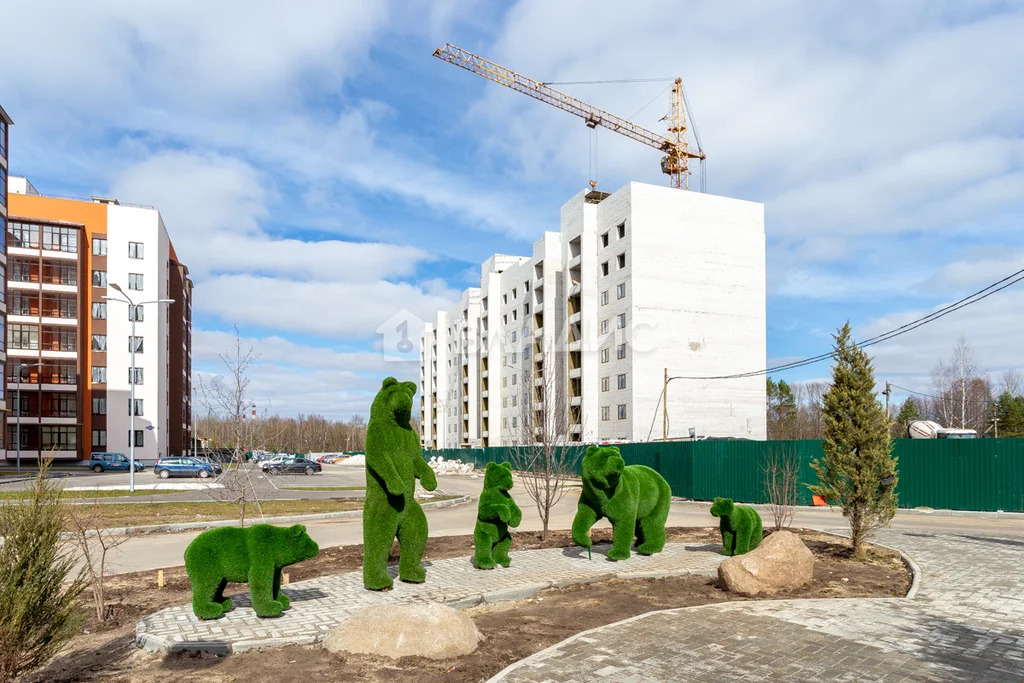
x: 675, y: 163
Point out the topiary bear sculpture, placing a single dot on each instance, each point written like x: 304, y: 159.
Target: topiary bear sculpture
x: 254, y: 555
x: 394, y: 460
x: 495, y: 514
x: 740, y: 526
x: 634, y: 498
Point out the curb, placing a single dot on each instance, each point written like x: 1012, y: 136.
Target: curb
x: 214, y: 524
x: 984, y: 514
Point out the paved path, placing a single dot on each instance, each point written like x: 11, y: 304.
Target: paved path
x: 966, y: 622
x: 319, y: 604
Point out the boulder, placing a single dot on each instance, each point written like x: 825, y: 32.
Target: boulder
x: 781, y: 561
x: 427, y: 630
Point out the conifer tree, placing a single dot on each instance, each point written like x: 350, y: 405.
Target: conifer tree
x: 858, y: 470
x: 908, y: 413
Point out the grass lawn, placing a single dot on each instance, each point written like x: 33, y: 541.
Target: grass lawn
x: 323, y: 488
x: 142, y: 514
x: 95, y: 493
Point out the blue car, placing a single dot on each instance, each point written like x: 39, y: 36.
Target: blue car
x: 102, y: 461
x: 185, y: 467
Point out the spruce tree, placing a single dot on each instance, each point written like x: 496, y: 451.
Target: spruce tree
x: 858, y: 470
x: 908, y: 413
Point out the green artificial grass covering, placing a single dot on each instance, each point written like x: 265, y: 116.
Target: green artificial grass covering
x: 394, y: 460
x: 740, y: 526
x: 495, y: 514
x: 634, y: 498
x: 254, y: 555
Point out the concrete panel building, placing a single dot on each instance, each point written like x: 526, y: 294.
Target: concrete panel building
x: 70, y: 348
x: 5, y: 129
x: 579, y: 335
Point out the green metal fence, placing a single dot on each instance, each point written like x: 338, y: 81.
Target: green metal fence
x: 951, y: 474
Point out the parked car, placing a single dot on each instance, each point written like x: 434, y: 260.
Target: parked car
x: 185, y: 467
x: 102, y: 461
x: 292, y: 465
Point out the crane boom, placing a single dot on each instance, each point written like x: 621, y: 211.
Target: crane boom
x: 677, y: 152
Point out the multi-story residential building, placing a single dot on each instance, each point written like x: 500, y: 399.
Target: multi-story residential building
x: 575, y: 341
x: 70, y: 341
x: 5, y: 129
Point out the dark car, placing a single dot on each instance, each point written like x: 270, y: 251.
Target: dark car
x: 185, y: 467
x: 292, y: 466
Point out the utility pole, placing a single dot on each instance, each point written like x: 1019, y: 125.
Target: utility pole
x: 888, y: 390
x: 664, y: 408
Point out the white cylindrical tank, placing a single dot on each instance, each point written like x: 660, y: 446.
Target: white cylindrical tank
x: 924, y: 429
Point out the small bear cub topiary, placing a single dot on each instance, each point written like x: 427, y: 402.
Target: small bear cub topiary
x: 740, y: 526
x: 634, y: 498
x: 254, y: 555
x: 495, y: 514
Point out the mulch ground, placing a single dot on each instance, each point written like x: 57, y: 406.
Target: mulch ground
x: 511, y: 630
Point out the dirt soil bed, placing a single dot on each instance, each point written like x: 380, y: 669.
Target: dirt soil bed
x: 512, y: 630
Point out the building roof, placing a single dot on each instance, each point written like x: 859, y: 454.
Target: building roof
x: 5, y: 117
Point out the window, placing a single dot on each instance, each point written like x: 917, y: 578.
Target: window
x: 604, y: 240
x: 99, y: 439
x: 99, y: 246
x: 139, y: 438
x: 60, y: 437
x: 605, y: 384
x: 21, y: 303
x: 620, y: 352
x: 514, y: 293
x: 514, y: 400
x: 622, y: 381
x: 604, y: 298
x: 622, y: 321
x: 99, y: 405
x: 622, y: 411
x: 66, y: 340
x: 134, y: 343
x: 135, y: 250
x: 622, y: 229
x: 22, y: 336
x: 3, y: 143
x: 604, y: 355
x: 99, y: 311
x: 621, y: 258
x: 135, y: 281
x: 515, y: 359
x: 25, y: 235
x: 135, y: 313
x: 620, y: 291
x: 57, y: 238
x: 526, y: 308
x: 99, y: 342
x: 99, y: 278
x: 504, y: 381
x: 604, y: 326
x: 513, y: 381
x: 514, y: 422
x: 604, y: 268
x: 138, y: 407
x: 3, y: 184
x: 504, y: 298
x: 99, y: 374
x: 513, y: 338
x: 606, y: 412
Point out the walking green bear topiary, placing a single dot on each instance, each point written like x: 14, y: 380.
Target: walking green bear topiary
x: 634, y: 498
x: 254, y: 555
x: 740, y: 526
x: 495, y: 514
x: 394, y: 460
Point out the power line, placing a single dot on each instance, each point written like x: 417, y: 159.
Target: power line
x: 974, y: 298
x: 620, y: 80
x: 940, y: 398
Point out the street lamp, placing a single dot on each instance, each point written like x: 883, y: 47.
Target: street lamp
x: 17, y: 429
x: 132, y: 315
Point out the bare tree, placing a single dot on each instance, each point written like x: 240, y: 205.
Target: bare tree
x: 546, y: 455
x: 781, y: 471
x: 962, y: 398
x: 1013, y: 382
x: 94, y: 541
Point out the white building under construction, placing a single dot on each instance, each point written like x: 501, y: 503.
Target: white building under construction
x: 576, y: 338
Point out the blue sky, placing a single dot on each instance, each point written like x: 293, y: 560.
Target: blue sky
x: 318, y: 170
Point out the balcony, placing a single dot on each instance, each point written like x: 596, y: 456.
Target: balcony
x: 576, y: 401
x: 575, y: 317
x: 575, y: 289
x: 576, y: 428
x: 485, y: 413
x: 538, y: 333
x: 576, y: 345
x: 576, y: 373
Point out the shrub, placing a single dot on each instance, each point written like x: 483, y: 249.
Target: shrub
x: 496, y: 512
x: 740, y: 526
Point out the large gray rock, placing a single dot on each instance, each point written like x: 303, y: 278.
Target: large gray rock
x: 781, y: 561
x: 427, y: 630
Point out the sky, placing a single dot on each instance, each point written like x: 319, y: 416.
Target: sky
x: 319, y: 172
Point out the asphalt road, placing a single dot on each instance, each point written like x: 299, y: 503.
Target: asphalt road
x: 165, y: 550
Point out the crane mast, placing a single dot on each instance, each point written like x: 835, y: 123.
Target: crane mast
x: 675, y: 147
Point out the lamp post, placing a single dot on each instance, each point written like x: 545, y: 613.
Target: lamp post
x: 132, y: 315
x: 17, y: 429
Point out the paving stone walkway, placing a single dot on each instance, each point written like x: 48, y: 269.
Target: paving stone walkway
x: 966, y: 622
x: 320, y: 604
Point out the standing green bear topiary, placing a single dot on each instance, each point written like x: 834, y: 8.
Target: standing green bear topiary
x: 254, y: 555
x: 740, y: 526
x: 394, y: 460
x: 634, y: 498
x: 495, y: 514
